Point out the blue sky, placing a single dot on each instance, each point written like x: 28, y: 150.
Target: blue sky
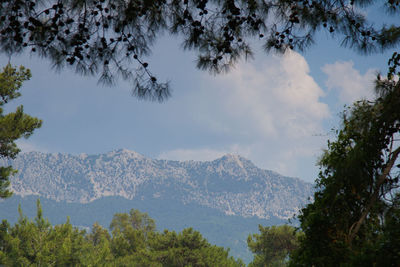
x: 276, y: 110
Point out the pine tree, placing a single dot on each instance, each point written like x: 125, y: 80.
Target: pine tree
x: 12, y: 125
x: 113, y: 38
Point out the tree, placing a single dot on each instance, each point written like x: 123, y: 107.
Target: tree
x: 189, y: 248
x: 12, y: 125
x: 273, y: 245
x: 131, y: 232
x: 353, y: 220
x: 26, y: 243
x: 100, y: 238
x: 38, y: 243
x: 105, y: 37
x: 135, y: 220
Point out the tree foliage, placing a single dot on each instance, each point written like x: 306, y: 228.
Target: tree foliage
x: 354, y: 218
x: 273, y: 245
x: 113, y: 38
x: 133, y: 241
x: 38, y: 243
x: 13, y: 125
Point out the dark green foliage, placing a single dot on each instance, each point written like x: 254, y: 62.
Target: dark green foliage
x: 273, y: 245
x: 12, y: 125
x: 105, y: 37
x: 354, y: 218
x: 133, y: 242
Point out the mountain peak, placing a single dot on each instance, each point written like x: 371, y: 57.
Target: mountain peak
x: 235, y: 159
x: 232, y: 156
x: 124, y: 151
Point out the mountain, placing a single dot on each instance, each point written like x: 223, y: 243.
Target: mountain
x: 231, y: 184
x: 229, y: 195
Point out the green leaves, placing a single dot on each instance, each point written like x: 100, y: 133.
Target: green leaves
x: 13, y: 125
x: 11, y: 81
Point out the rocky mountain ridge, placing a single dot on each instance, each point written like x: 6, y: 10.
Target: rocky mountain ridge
x: 231, y: 184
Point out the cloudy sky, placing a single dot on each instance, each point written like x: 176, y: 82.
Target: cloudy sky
x: 276, y: 110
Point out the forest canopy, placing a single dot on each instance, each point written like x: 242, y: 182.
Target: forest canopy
x: 131, y: 241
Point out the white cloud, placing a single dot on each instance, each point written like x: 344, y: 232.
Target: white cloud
x: 278, y: 98
x: 27, y: 146
x: 271, y: 108
x: 351, y: 85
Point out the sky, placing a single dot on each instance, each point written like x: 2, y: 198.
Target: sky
x: 275, y: 110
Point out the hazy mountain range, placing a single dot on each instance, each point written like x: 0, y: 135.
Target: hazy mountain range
x: 231, y: 184
x: 228, y: 192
